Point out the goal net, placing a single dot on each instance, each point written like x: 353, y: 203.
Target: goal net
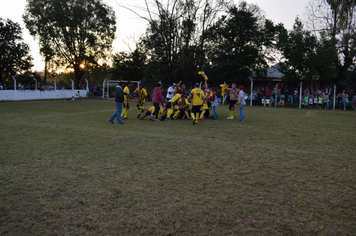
x: 111, y: 84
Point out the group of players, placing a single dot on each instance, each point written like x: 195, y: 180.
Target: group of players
x: 179, y: 104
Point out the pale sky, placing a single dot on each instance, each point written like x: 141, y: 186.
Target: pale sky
x: 130, y: 27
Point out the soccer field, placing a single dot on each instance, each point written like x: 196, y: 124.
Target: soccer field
x: 65, y: 170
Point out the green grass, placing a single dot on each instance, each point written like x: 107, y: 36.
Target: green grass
x: 66, y: 171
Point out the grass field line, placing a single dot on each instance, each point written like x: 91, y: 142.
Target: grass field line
x: 181, y: 138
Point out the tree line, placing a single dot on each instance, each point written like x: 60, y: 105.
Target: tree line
x: 230, y: 42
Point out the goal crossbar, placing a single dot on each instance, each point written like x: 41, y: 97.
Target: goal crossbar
x: 114, y: 82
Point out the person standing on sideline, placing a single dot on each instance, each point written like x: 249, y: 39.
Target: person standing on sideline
x: 197, y: 101
x: 156, y: 100
x: 127, y: 97
x: 234, y: 92
x: 119, y: 99
x: 241, y: 100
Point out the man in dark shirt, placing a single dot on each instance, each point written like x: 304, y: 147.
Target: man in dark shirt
x: 119, y: 99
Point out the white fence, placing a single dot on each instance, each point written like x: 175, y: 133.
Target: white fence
x: 17, y: 95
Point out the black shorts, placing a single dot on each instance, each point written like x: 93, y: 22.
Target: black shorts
x: 170, y: 105
x: 196, y: 109
x: 232, y: 103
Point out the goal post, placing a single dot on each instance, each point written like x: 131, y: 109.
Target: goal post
x: 111, y: 84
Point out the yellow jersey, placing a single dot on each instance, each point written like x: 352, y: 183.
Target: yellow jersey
x: 223, y: 88
x: 197, y: 96
x: 126, y: 97
x: 175, y: 98
x: 141, y: 94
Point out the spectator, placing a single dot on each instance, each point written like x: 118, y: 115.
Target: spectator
x: 20, y: 86
x: 1, y: 88
x: 78, y: 96
x: 254, y: 98
x: 279, y: 89
x: 268, y: 92
x: 319, y: 91
x: 311, y: 101
x: 296, y: 95
x: 338, y: 101
x: 95, y: 90
x: 351, y: 94
x: 320, y: 101
x: 315, y: 100
x: 326, y: 101
x: 354, y: 102
x: 345, y: 100
x: 286, y: 93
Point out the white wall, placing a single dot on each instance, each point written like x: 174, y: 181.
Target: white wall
x: 17, y: 95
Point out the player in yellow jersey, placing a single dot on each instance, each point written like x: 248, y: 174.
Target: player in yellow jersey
x: 127, y: 97
x: 196, y: 96
x: 141, y: 98
x: 172, y: 102
x: 150, y: 112
x: 183, y: 107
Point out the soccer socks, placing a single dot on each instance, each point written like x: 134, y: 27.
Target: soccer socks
x: 202, y: 114
x: 187, y: 114
x: 176, y: 114
x: 169, y: 112
x: 193, y: 116
x: 124, y: 113
x: 232, y: 112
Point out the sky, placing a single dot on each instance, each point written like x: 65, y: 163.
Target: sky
x: 130, y: 27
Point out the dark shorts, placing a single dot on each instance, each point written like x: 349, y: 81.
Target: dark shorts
x: 196, y: 109
x: 232, y: 103
x: 127, y: 105
x: 170, y: 105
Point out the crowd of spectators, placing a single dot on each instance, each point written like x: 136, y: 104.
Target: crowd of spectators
x: 320, y: 98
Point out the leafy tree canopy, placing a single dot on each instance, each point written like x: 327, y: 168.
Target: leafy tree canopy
x: 14, y: 54
x: 72, y: 32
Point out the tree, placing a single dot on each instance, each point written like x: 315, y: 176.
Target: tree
x: 14, y: 54
x: 337, y: 18
x: 128, y: 66
x: 237, y: 43
x: 306, y: 55
x: 174, y: 40
x: 72, y: 32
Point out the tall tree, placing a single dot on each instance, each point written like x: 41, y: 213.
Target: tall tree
x: 306, y: 55
x: 129, y: 66
x: 14, y: 54
x: 72, y: 32
x: 338, y: 19
x: 174, y: 40
x: 237, y: 43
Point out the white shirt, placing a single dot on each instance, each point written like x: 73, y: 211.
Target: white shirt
x: 241, y: 95
x: 172, y: 91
